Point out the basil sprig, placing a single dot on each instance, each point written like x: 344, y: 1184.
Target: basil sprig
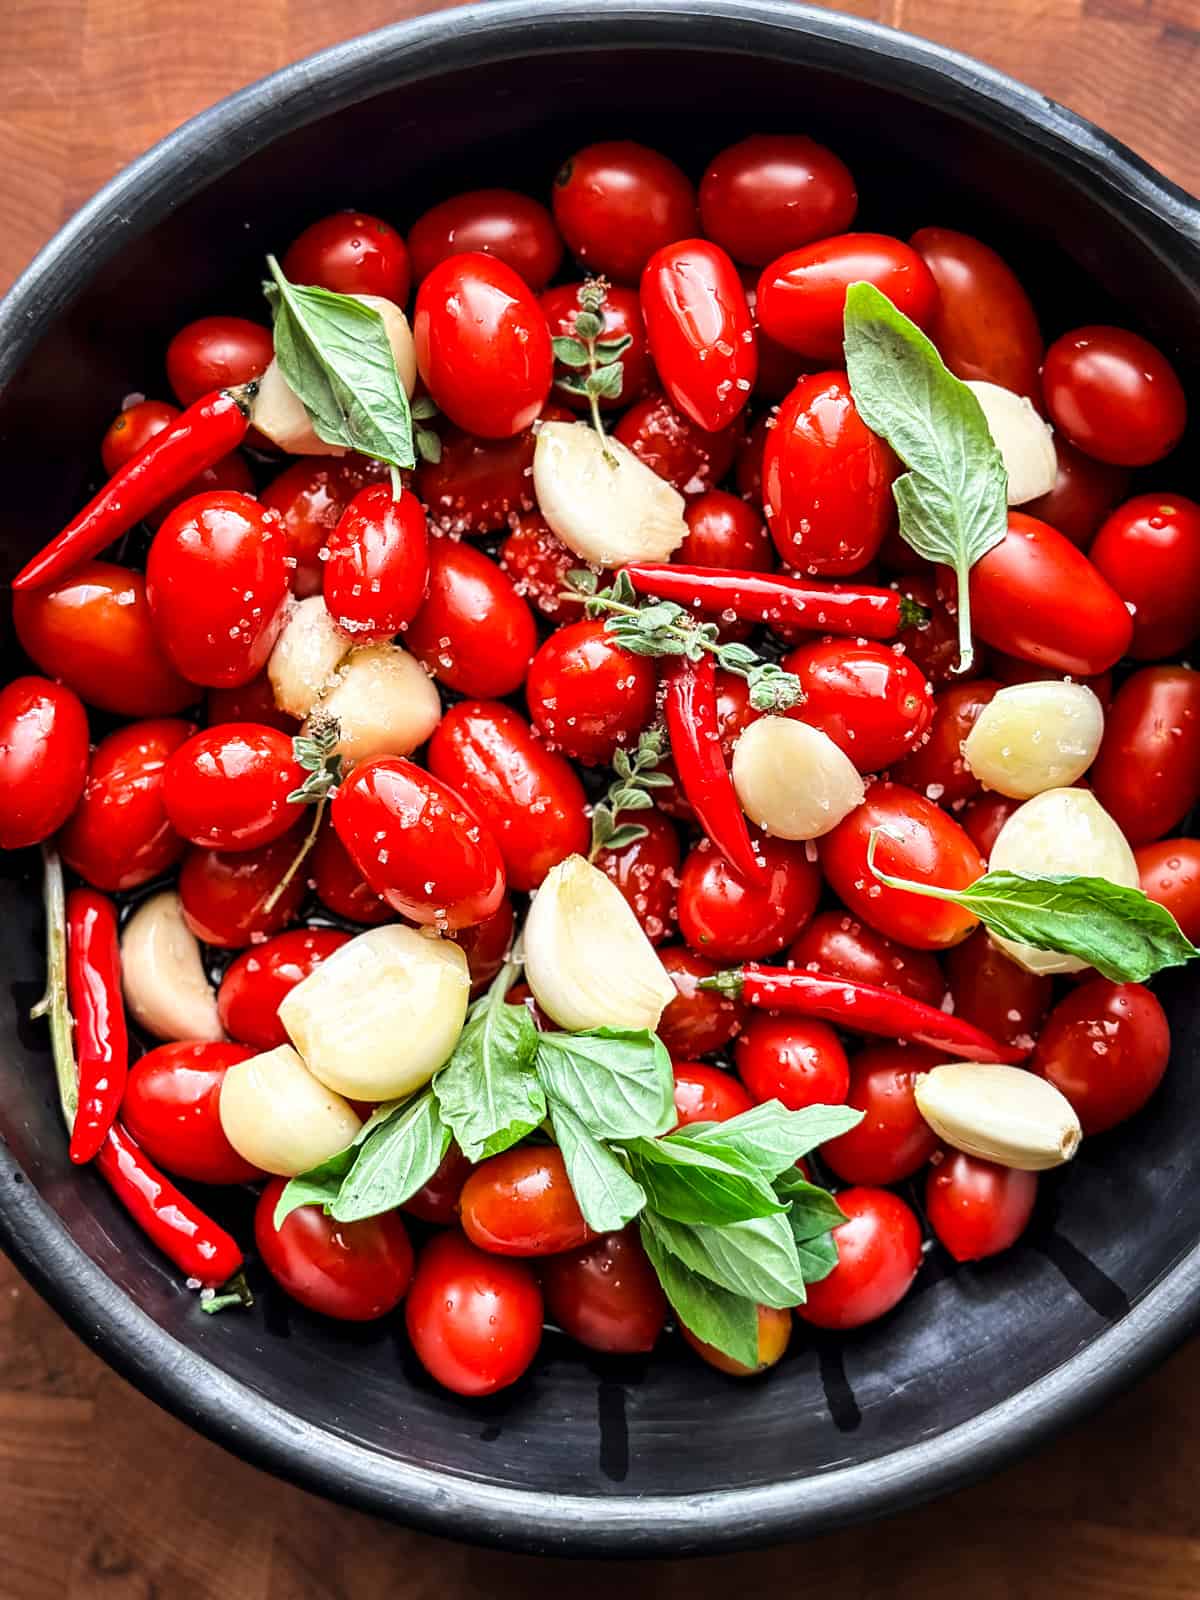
x: 488, y: 1092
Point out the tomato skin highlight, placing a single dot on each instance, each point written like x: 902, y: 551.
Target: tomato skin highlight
x: 351, y: 252
x: 1114, y: 395
x: 879, y: 1252
x: 1149, y: 550
x: 606, y: 1295
x: 474, y: 632
x: 975, y: 1207
x: 704, y: 1093
x: 1147, y: 772
x: 700, y: 331
x: 1169, y: 872
x: 377, y: 565
x: 521, y: 1203
x: 618, y: 202
x: 587, y: 696
x: 227, y: 787
x: 474, y: 1319
x: 774, y: 192
x: 496, y: 222
x: 260, y: 978
x: 171, y: 1107
x: 119, y: 835
x: 893, y: 1140
x: 725, y: 919
x: 875, y: 705
x: 984, y: 326
x: 43, y: 759
x: 697, y: 1021
x: 354, y: 1271
x: 794, y: 1060
x: 835, y: 944
x: 1105, y: 1046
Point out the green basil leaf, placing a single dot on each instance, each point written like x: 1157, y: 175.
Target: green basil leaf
x: 571, y: 352
x: 756, y: 1258
x: 813, y: 1210
x: 727, y: 1321
x: 773, y: 1138
x: 319, y: 1186
x: 687, y: 1183
x: 818, y: 1256
x: 607, y: 1195
x: 395, y: 1161
x: 488, y: 1091
x: 618, y: 1081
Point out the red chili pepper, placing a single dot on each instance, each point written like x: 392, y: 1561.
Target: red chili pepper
x: 691, y: 716
x: 199, y: 437
x: 857, y: 611
x: 860, y: 1007
x: 94, y: 996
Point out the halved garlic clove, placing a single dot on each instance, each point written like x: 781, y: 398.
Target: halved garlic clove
x: 384, y: 701
x: 1023, y: 438
x: 586, y: 958
x: 166, y: 988
x: 1035, y: 736
x: 601, y: 501
x: 382, y: 1014
x: 276, y: 1115
x: 998, y: 1113
x: 792, y: 780
x: 307, y: 654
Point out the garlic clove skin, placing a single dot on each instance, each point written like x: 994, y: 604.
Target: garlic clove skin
x: 792, y: 780
x: 166, y: 988
x: 1035, y: 736
x: 278, y: 1117
x: 1024, y: 439
x: 378, y: 1018
x: 607, y: 514
x: 307, y: 654
x: 998, y: 1113
x: 587, y: 960
x: 1063, y: 831
x: 385, y: 703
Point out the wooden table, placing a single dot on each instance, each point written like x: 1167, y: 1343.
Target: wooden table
x: 103, y: 1496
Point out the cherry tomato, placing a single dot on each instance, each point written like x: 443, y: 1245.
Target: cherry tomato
x: 494, y: 222
x: 93, y: 631
x: 774, y: 1334
x: 249, y: 702
x: 418, y: 844
x: 1149, y: 550
x: 118, y: 836
x: 893, y: 1140
x: 43, y: 759
x: 228, y: 787
x: 983, y: 818
x: 437, y: 1201
x: 1105, y: 1046
x: 475, y: 1319
x: 1010, y: 669
x: 310, y: 496
x: 873, y: 703
x: 802, y: 295
x: 622, y: 319
x: 750, y: 453
x: 724, y: 531
x: 647, y: 874
x: 975, y: 1207
x: 217, y: 353
x: 486, y: 944
x: 707, y: 1094
x: 937, y: 768
x: 879, y: 1252
x: 836, y: 944
x: 377, y: 564
x: 984, y: 325
x: 1147, y: 774
x: 606, y: 1294
x: 723, y: 917
x: 778, y: 368
x: 483, y: 347
x: 700, y: 332
x: 351, y: 253
x: 618, y: 202
x: 697, y: 1021
x: 1114, y: 395
x: 224, y: 892
x: 793, y: 1060
x: 538, y: 562
x: 933, y: 644
x: 137, y: 425
x: 674, y: 447
x: 992, y: 991
x: 586, y: 695
x: 172, y: 1108
x: 1084, y: 492
x: 257, y: 982
x: 916, y: 841
x: 478, y: 484
x: 827, y: 480
x: 354, y: 1271
x: 521, y: 1204
x: 1169, y: 872
x: 340, y: 886
x: 775, y: 192
x: 529, y: 798
x: 474, y: 631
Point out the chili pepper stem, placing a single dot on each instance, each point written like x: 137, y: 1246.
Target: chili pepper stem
x: 237, y: 1292
x: 53, y: 1003
x: 299, y: 858
x: 912, y: 613
x: 730, y: 982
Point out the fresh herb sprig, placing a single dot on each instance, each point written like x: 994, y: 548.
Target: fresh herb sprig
x: 598, y: 360
x: 630, y: 791
x: 316, y: 751
x: 427, y: 442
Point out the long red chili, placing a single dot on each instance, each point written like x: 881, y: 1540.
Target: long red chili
x: 101, y: 1037
x: 855, y: 610
x: 198, y: 438
x: 860, y: 1007
x: 691, y: 717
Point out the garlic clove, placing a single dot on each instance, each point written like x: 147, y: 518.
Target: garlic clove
x: 307, y: 654
x: 1035, y: 736
x: 587, y: 960
x: 384, y: 701
x: 998, y: 1113
x: 277, y: 1116
x: 1023, y: 438
x: 608, y: 511
x: 379, y: 1017
x: 400, y: 338
x: 792, y: 780
x: 166, y: 988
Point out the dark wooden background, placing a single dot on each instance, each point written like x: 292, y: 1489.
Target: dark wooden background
x: 102, y: 1496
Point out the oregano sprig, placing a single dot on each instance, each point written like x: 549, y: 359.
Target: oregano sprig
x: 629, y: 792
x: 428, y: 443
x: 599, y: 360
x: 317, y: 753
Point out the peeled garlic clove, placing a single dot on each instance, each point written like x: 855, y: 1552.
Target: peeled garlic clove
x: 1063, y: 831
x: 607, y: 511
x: 1024, y: 440
x: 306, y: 656
x: 1035, y: 736
x: 400, y: 338
x: 792, y: 780
x: 385, y: 703
x: 166, y: 988
x: 586, y: 958
x: 276, y: 1115
x: 379, y: 1017
x: 999, y: 1113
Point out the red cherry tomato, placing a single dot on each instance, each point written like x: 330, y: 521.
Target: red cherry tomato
x: 622, y: 319
x: 917, y: 841
x: 1169, y: 872
x: 217, y: 353
x: 172, y: 1108
x: 975, y: 1207
x: 418, y: 844
x: 538, y: 562
x: 474, y: 632
x: 529, y: 798
x: 1147, y: 774
x: 647, y: 874
x: 483, y: 347
x: 475, y: 1320
x: 836, y: 944
x: 750, y: 453
x: 249, y: 702
x: 259, y: 980
x: 310, y: 496
x: 437, y: 1201
x: 351, y: 253
x: 937, y: 768
x: 724, y: 531
x: 486, y: 944
x: 137, y: 425
x: 377, y: 564
x: 774, y: 1334
x: 993, y: 992
x: 674, y: 447
x: 697, y: 1021
x: 779, y: 369
x: 1084, y: 492
x: 93, y: 631
x: 700, y: 332
x: 43, y: 759
x: 1114, y: 395
x: 707, y: 1094
x: 933, y: 644
x: 227, y: 787
x: 618, y: 202
x: 1105, y: 1046
x: 873, y: 703
x: 340, y: 886
x: 802, y: 295
x: 606, y: 1295
x: 586, y: 695
x: 494, y: 222
x: 118, y: 836
x: 983, y: 818
x: 893, y: 1140
x: 793, y: 1060
x: 1149, y: 550
x: 879, y: 1252
x: 775, y: 192
x: 477, y: 485
x: 354, y: 1271
x: 984, y: 325
x: 722, y: 917
x: 224, y: 892
x: 521, y: 1204
x: 827, y: 480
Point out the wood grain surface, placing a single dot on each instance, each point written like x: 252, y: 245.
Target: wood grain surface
x: 103, y: 1496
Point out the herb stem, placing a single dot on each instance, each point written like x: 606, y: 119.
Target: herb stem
x: 53, y: 1003
x: 298, y: 859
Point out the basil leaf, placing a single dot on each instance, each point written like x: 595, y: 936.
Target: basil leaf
x: 618, y: 1081
x: 814, y: 1211
x: 488, y: 1092
x: 727, y: 1321
x: 756, y: 1258
x: 394, y: 1162
x: 334, y: 352
x: 687, y: 1183
x: 953, y: 501
x: 818, y: 1256
x: 607, y: 1195
x: 320, y: 1184
x: 773, y: 1138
